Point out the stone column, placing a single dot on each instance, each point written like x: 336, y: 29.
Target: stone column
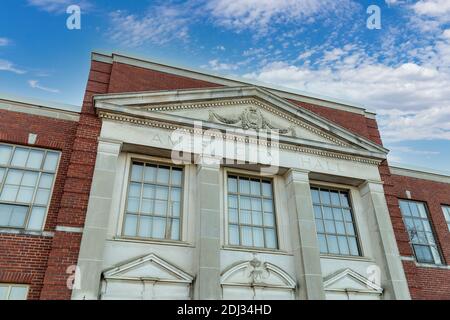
x: 90, y: 260
x: 207, y: 283
x: 305, y: 244
x: 380, y: 226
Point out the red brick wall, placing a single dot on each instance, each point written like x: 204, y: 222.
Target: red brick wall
x: 424, y: 282
x: 24, y: 258
x: 356, y: 123
x: 77, y: 187
x: 127, y: 78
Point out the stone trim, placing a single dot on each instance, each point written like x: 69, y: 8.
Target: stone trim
x: 69, y: 229
x: 284, y: 146
x: 418, y: 174
x: 251, y: 101
x: 46, y: 234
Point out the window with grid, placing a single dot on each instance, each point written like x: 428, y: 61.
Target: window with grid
x: 420, y: 232
x: 251, y: 214
x: 154, y: 201
x: 334, y: 222
x: 13, y: 292
x: 26, y: 181
x: 446, y: 210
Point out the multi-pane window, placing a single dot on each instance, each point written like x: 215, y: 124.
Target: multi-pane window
x: 420, y: 232
x: 153, y: 207
x: 251, y: 214
x: 13, y: 292
x: 446, y: 210
x: 26, y: 180
x: 334, y: 222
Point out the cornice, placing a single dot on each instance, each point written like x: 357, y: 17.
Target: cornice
x: 238, y: 138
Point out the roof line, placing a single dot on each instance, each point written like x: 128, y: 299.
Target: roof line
x: 41, y: 103
x: 110, y: 57
x: 419, y: 172
x: 419, y: 169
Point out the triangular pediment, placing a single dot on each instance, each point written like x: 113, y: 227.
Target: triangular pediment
x: 246, y: 108
x: 350, y: 281
x: 150, y: 267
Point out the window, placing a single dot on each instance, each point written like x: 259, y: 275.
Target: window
x: 334, y: 222
x: 420, y: 233
x: 446, y: 210
x: 251, y: 214
x: 153, y: 207
x: 26, y: 181
x: 13, y: 292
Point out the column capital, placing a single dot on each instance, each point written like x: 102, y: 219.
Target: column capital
x: 204, y: 161
x: 371, y: 186
x: 109, y: 146
x: 298, y: 175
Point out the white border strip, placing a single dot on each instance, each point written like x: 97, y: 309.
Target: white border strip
x: 69, y: 229
x: 419, y: 174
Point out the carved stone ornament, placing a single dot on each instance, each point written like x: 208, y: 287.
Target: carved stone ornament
x: 257, y: 271
x: 250, y: 118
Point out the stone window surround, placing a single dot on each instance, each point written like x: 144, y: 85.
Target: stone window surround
x: 357, y: 214
x: 130, y: 157
x: 155, y: 184
x: 283, y: 245
x: 352, y: 211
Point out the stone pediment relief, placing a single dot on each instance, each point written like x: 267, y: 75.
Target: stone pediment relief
x: 257, y: 273
x: 350, y: 281
x: 249, y: 114
x: 150, y: 267
x: 243, y: 108
x: 250, y: 118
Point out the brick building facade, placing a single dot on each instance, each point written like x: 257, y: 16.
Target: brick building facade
x: 42, y: 260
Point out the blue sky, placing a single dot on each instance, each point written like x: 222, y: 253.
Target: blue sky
x: 401, y: 71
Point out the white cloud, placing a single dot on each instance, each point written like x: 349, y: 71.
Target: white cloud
x: 35, y: 85
x: 4, y: 42
x: 397, y: 153
x: 159, y: 25
x: 216, y: 65
x: 433, y: 8
x: 430, y: 15
x: 163, y: 23
x: 446, y: 34
x: 411, y: 98
x: 392, y: 2
x: 6, y: 65
x: 59, y: 6
x: 259, y: 15
x: 305, y: 55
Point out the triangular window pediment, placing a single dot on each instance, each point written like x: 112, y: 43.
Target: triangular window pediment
x: 351, y: 281
x: 150, y: 267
